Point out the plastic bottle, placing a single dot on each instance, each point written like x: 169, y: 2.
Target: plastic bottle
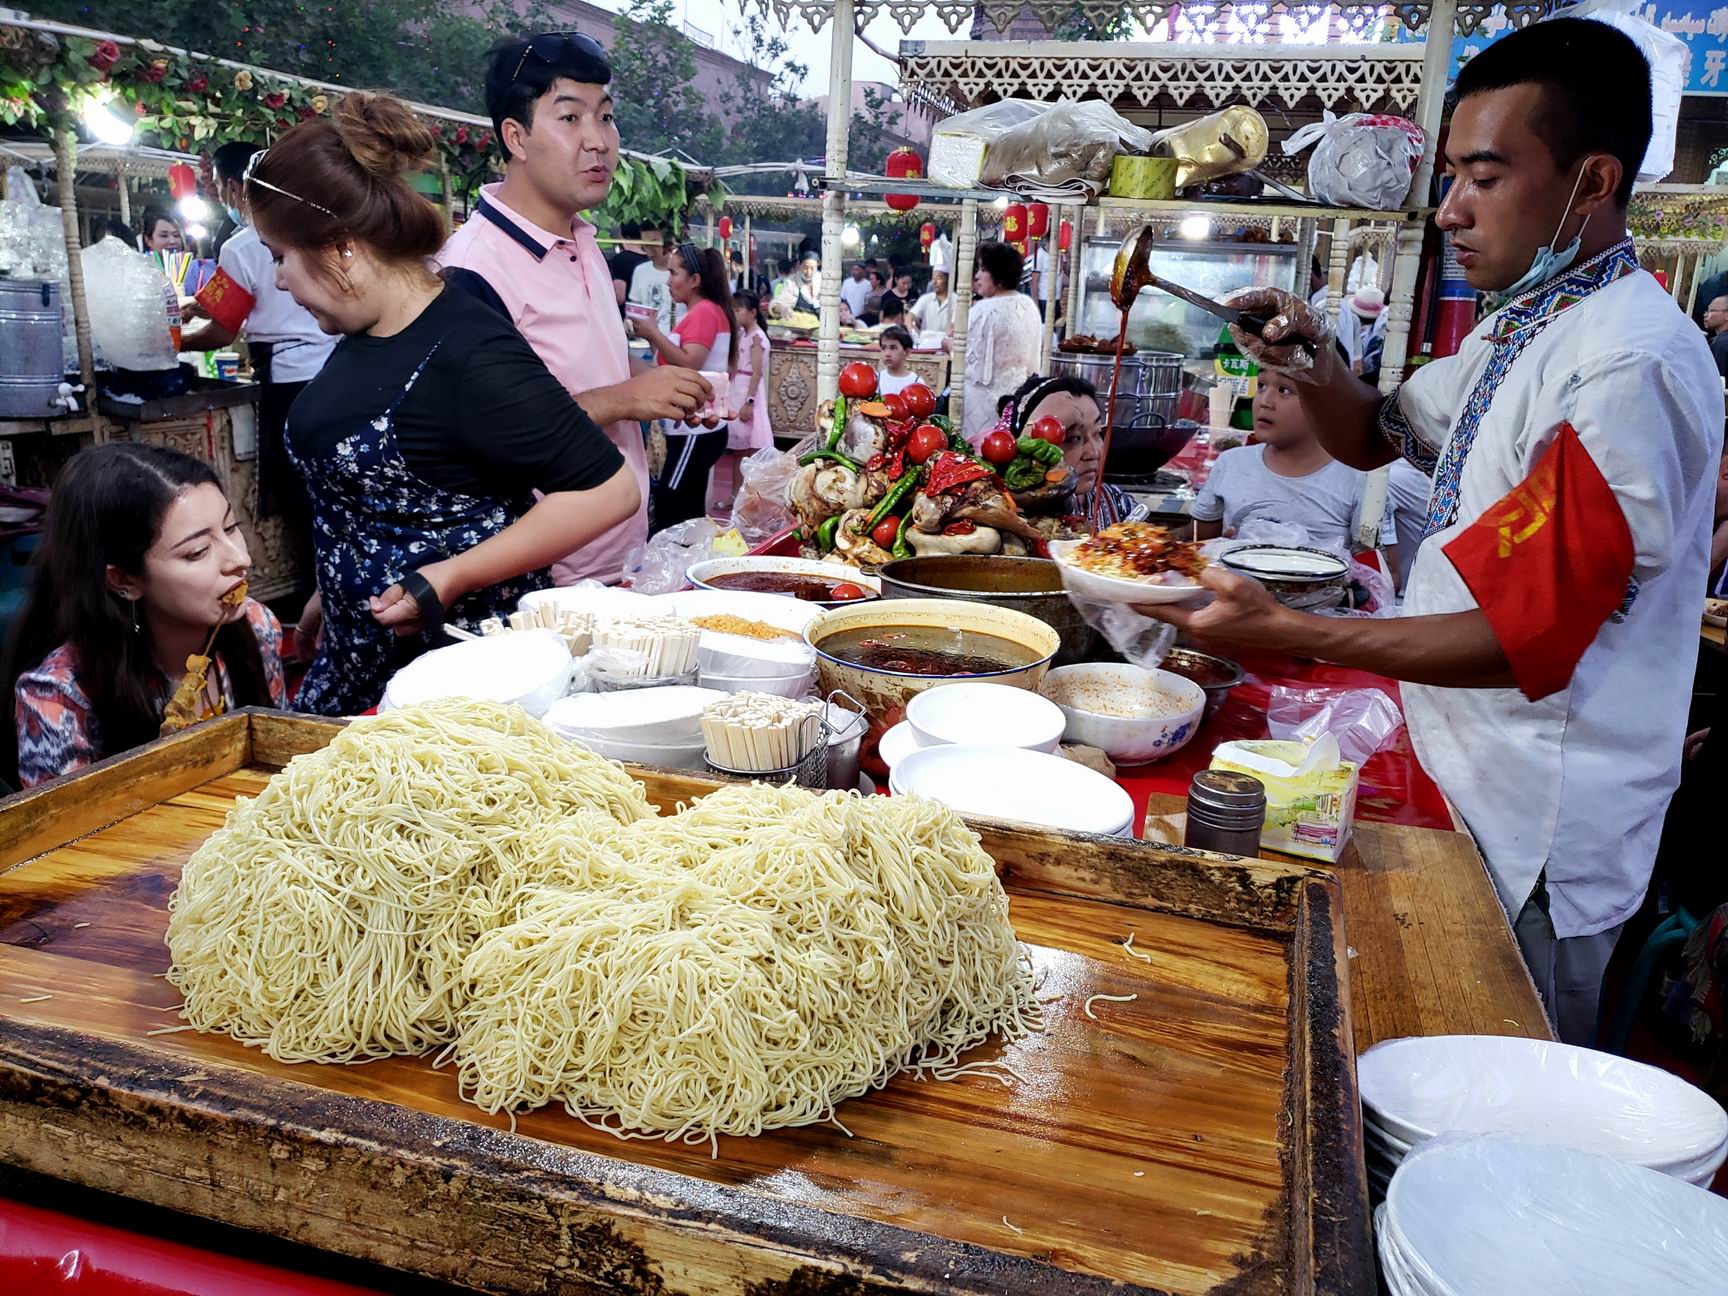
x: 1239, y: 372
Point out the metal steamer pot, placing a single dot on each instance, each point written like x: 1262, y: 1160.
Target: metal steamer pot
x: 1146, y: 399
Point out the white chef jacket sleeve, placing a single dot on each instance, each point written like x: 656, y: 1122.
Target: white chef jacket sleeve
x: 1649, y: 432
x: 1417, y: 417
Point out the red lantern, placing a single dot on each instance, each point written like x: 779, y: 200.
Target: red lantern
x: 1065, y: 236
x: 926, y: 236
x: 1014, y: 223
x: 1019, y: 245
x: 903, y: 164
x: 725, y: 228
x: 1038, y: 220
x: 182, y: 180
x: 1661, y: 277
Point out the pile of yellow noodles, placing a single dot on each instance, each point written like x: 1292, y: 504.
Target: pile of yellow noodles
x: 456, y: 875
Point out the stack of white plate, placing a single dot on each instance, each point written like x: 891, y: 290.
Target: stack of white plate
x: 1504, y: 1216
x: 1416, y: 1089
x: 530, y: 668
x: 739, y: 664
x: 650, y: 726
x: 974, y: 715
x: 1021, y: 786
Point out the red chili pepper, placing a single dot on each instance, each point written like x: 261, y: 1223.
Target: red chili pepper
x: 960, y: 527
x: 950, y: 471
x: 875, y: 462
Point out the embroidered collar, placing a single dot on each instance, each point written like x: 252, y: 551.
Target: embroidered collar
x: 1564, y: 291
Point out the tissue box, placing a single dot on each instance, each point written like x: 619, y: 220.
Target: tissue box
x: 1310, y: 796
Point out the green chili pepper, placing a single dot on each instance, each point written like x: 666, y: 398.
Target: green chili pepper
x: 1041, y: 450
x: 899, y: 491
x: 901, y: 548
x: 835, y: 455
x: 825, y: 532
x: 1024, y: 473
x: 839, y: 429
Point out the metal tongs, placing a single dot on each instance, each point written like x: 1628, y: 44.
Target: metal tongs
x: 1133, y: 272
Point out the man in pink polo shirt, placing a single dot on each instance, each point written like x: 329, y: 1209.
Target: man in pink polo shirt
x: 527, y: 252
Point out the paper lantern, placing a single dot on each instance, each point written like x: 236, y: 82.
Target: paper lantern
x: 1014, y: 223
x: 725, y: 228
x: 182, y: 180
x: 1019, y: 245
x: 1065, y: 236
x: 926, y: 236
x: 1661, y: 277
x: 903, y: 164
x: 1038, y: 220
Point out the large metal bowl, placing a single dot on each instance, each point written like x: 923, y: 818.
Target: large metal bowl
x: 1029, y: 585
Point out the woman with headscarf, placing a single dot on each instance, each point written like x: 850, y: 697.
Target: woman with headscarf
x: 1072, y: 402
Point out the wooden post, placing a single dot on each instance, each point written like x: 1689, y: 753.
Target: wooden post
x: 66, y: 190
x: 1076, y: 269
x: 834, y: 199
x: 749, y: 256
x: 960, y: 285
x: 1052, y: 273
x: 1306, y: 231
x: 710, y: 224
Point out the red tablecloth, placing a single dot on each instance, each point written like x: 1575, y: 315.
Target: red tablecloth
x: 1395, y: 788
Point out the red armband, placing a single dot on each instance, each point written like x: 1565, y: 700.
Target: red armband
x: 225, y: 301
x: 1548, y: 564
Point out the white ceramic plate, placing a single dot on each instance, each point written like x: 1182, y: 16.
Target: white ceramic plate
x: 985, y: 715
x: 530, y: 668
x: 1017, y: 786
x: 897, y: 744
x: 1428, y: 1085
x: 1277, y: 562
x: 599, y: 601
x: 1081, y: 583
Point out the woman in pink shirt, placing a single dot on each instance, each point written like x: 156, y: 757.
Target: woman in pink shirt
x: 698, y: 283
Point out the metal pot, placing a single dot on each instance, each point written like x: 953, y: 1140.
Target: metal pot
x: 31, y: 361
x: 1029, y: 585
x: 1146, y: 397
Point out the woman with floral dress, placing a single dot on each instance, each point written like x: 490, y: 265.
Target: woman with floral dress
x: 432, y: 427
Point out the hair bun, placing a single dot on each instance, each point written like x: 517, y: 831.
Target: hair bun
x: 382, y: 136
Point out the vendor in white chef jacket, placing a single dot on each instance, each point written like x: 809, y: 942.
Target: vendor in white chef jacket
x: 1551, y: 617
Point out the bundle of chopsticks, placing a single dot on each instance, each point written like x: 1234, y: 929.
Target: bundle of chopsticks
x: 666, y: 645
x: 178, y: 267
x: 756, y: 733
x: 577, y: 628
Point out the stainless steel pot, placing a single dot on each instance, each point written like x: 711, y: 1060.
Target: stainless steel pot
x: 1145, y: 399
x: 1029, y: 585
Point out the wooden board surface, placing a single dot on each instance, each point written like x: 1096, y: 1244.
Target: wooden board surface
x: 1431, y: 952
x: 1202, y: 1138
x: 1713, y: 636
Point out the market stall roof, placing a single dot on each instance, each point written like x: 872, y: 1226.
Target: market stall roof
x: 105, y: 159
x: 953, y: 76
x: 1250, y: 14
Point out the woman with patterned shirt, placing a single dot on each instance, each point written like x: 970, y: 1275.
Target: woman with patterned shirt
x: 140, y: 562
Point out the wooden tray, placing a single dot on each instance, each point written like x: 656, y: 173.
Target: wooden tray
x: 1204, y: 1138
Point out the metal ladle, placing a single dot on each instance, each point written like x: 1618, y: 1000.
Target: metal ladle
x: 1133, y: 272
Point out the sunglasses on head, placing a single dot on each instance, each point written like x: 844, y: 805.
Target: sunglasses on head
x: 548, y: 46
x: 247, y: 179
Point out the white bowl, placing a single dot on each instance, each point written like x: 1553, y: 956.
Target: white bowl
x: 1017, y: 786
x: 530, y: 669
x: 699, y: 574
x: 1133, y: 715
x: 897, y: 744
x: 984, y: 715
x: 1080, y: 583
x: 595, y: 600
x: 672, y: 757
x: 790, y: 686
x: 670, y: 715
x: 729, y: 654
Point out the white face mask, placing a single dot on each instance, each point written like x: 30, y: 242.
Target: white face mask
x: 1547, y: 262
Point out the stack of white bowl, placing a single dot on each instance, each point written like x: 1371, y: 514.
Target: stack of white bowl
x: 651, y: 726
x: 1497, y: 1215
x: 1416, y: 1089
x: 738, y: 664
x: 529, y: 668
x: 987, y: 751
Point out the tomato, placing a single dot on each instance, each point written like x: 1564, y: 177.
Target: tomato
x: 998, y: 448
x: 885, y: 531
x: 1047, y: 429
x: 926, y: 442
x: 920, y: 400
x: 896, y: 404
x: 845, y: 591
x: 857, y: 381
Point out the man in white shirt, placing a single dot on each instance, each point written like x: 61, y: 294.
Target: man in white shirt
x: 798, y: 293
x: 934, y: 311
x: 1550, y: 622
x: 650, y: 284
x: 284, y: 342
x: 856, y: 290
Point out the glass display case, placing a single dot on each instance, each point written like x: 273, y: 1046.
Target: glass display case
x: 1160, y: 321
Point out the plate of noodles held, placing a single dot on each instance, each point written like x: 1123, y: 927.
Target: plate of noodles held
x: 1130, y: 562
x: 454, y: 881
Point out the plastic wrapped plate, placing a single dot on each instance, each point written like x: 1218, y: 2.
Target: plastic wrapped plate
x: 1420, y: 1087
x: 1081, y: 583
x: 1501, y: 1215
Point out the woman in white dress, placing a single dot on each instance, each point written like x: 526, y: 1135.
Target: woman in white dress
x: 1003, y: 337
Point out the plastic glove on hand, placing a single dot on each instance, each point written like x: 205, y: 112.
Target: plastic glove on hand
x: 1296, y: 339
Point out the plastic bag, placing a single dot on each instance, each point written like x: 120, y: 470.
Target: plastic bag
x: 1363, y: 721
x: 1668, y: 56
x: 658, y: 567
x: 1140, y: 639
x: 1068, y: 147
x: 128, y: 319
x: 760, y: 511
x: 1363, y: 160
x: 33, y: 246
x: 958, y: 145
